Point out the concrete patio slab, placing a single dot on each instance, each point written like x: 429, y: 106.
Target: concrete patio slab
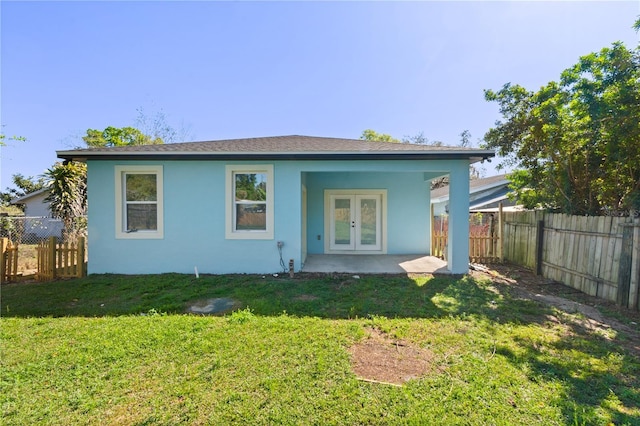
x: 375, y: 264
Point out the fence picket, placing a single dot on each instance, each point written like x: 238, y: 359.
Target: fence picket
x: 60, y: 260
x: 484, y: 242
x: 8, y: 261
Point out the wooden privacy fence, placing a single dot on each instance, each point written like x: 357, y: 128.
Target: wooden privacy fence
x: 483, y: 246
x: 439, y: 243
x: 64, y: 260
x: 9, y: 263
x: 598, y: 255
x: 484, y: 238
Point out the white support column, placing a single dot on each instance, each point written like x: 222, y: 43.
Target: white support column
x: 458, y: 238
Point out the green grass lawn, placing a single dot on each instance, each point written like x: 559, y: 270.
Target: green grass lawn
x: 120, y: 350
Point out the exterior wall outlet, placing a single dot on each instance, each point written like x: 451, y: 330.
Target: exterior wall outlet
x: 319, y: 237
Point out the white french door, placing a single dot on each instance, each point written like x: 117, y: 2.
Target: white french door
x: 355, y: 222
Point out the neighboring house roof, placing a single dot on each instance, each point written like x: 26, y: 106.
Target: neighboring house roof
x: 27, y: 197
x: 501, y: 196
x: 475, y: 186
x: 279, y: 148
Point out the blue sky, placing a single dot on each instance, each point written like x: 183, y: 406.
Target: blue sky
x: 244, y: 69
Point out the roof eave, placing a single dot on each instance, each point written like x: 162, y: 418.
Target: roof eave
x: 83, y: 156
x: 24, y: 198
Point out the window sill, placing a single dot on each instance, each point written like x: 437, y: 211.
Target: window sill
x: 140, y: 235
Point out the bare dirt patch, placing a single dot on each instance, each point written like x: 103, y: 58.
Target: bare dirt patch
x: 378, y: 358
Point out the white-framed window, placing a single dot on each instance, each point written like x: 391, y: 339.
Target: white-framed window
x: 139, y: 202
x: 249, y: 202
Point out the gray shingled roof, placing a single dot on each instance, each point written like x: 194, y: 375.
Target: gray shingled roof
x: 277, y: 147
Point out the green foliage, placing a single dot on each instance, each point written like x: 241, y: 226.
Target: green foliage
x: 25, y: 185
x: 521, y: 191
x: 67, y: 183
x: 28, y: 184
x: 577, y: 139
x: 421, y: 139
x: 11, y: 193
x: 141, y: 187
x: 11, y: 210
x: 372, y: 135
x: 251, y: 186
x: 114, y: 136
x: 241, y: 316
x: 417, y: 139
x: 4, y: 138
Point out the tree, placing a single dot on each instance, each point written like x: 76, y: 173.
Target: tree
x: 157, y: 127
x: 576, y: 141
x: 67, y: 183
x: 465, y: 142
x: 372, y: 135
x: 25, y: 185
x: 10, y: 193
x: 149, y: 130
x: 114, y: 136
x: 29, y: 184
x: 4, y: 138
x: 418, y: 139
x: 421, y: 139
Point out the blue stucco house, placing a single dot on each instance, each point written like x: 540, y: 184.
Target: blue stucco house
x: 237, y: 206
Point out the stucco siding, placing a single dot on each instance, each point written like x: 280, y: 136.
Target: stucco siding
x: 407, y: 207
x: 194, y: 214
x: 194, y: 224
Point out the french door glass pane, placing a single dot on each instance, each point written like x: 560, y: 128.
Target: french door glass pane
x: 342, y: 221
x: 368, y: 221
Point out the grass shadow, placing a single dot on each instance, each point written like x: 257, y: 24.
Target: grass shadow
x: 332, y: 296
x: 593, y: 379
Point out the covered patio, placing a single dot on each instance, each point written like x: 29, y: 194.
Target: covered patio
x: 375, y: 264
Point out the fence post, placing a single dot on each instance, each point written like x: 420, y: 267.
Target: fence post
x: 4, y: 242
x: 539, y: 240
x: 80, y: 259
x: 624, y: 272
x: 634, y: 286
x: 500, y: 233
x: 51, y: 255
